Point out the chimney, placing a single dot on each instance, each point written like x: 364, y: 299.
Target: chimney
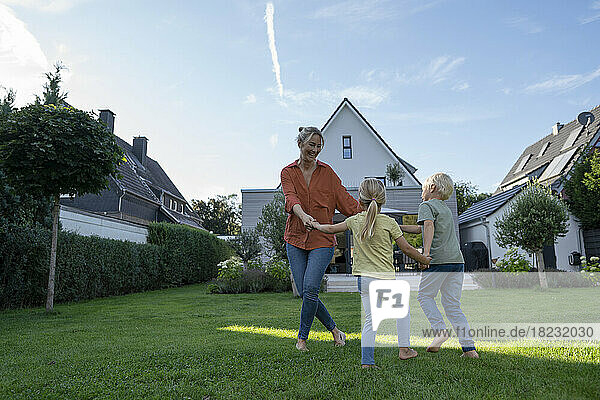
x: 108, y: 117
x: 555, y: 128
x: 140, y: 148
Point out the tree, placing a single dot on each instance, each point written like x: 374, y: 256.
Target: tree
x: 7, y: 102
x: 53, y: 93
x: 47, y: 150
x: 247, y: 245
x: 583, y: 190
x: 466, y: 195
x: 221, y: 215
x: 535, y: 218
x: 271, y: 226
x: 394, y: 173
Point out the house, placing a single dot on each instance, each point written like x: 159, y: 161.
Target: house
x: 355, y: 150
x: 142, y: 193
x: 549, y: 160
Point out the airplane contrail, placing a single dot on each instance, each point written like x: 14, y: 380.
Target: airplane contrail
x: 271, y: 34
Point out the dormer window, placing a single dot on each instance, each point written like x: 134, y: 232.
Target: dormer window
x: 347, y: 147
x: 173, y: 205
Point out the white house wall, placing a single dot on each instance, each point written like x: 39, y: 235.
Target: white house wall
x: 253, y: 201
x: 89, y: 224
x: 370, y: 157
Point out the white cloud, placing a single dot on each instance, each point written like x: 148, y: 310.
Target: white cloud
x: 361, y: 96
x: 51, y: 6
x: 454, y: 116
x: 524, y: 24
x: 273, y: 140
x: 592, y: 18
x: 460, y: 86
x: 439, y: 69
x: 355, y: 11
x: 250, y: 99
x: 22, y: 61
x: 269, y: 12
x: 506, y: 91
x: 561, y: 83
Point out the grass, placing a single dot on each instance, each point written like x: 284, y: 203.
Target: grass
x: 186, y: 344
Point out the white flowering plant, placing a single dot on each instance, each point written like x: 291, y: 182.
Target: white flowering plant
x: 230, y: 269
x: 593, y: 265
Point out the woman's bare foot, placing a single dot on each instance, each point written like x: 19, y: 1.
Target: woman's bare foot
x: 370, y: 366
x: 406, y: 353
x: 301, y: 345
x: 437, y: 342
x: 339, y: 337
x: 470, y: 354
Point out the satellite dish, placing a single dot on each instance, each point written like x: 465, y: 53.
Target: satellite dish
x: 585, y: 118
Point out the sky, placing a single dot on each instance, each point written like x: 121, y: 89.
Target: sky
x: 219, y: 88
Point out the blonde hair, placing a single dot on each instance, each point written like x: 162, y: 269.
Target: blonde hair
x: 443, y: 184
x: 307, y: 132
x: 371, y: 194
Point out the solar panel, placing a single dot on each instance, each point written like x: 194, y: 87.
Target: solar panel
x: 558, y: 164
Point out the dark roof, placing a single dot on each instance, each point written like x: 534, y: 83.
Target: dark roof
x: 150, y: 181
x: 488, y: 206
x: 411, y: 170
x: 537, y: 165
x: 130, y: 180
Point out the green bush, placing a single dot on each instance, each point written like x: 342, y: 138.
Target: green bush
x: 513, y: 261
x: 192, y: 254
x: 90, y: 267
x: 232, y: 279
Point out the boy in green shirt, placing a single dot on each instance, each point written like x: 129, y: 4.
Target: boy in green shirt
x: 446, y: 271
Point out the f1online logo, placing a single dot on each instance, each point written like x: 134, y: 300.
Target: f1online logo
x: 389, y: 300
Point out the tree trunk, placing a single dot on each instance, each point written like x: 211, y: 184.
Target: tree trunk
x: 55, y: 213
x: 541, y: 271
x: 296, y: 294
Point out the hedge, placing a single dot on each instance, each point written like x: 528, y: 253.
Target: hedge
x: 90, y: 267
x: 193, y: 254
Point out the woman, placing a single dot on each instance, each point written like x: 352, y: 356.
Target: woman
x: 312, y: 193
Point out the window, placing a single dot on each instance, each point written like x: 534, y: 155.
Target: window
x: 346, y: 147
x: 522, y: 163
x: 173, y: 205
x: 543, y: 149
x: 572, y: 138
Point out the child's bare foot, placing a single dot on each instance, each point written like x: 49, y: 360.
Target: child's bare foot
x: 370, y: 366
x: 406, y: 353
x: 470, y: 354
x: 301, y: 345
x: 437, y: 342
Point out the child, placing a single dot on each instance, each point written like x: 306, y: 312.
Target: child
x: 374, y: 234
x: 440, y: 242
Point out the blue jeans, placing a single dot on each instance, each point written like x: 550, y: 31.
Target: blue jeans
x: 308, y: 268
x: 367, y: 338
x: 448, y: 279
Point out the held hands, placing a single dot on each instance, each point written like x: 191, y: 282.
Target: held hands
x: 308, y: 222
x: 425, y: 265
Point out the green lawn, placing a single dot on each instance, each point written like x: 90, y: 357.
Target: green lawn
x: 184, y: 343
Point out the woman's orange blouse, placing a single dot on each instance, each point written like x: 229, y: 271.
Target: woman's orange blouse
x: 320, y: 200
